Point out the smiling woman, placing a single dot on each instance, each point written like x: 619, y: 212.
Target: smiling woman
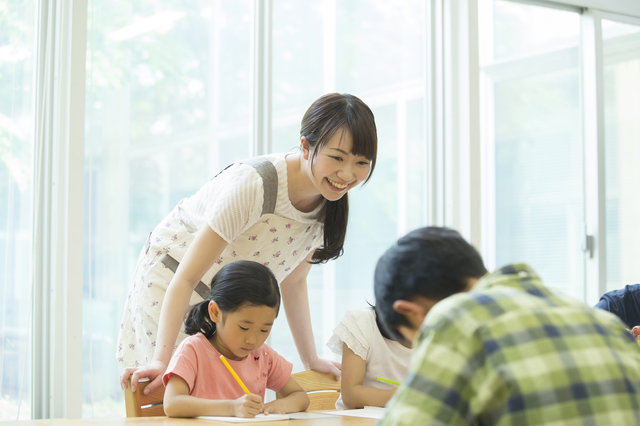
x: 281, y: 210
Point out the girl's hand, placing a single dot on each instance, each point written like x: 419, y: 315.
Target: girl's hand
x: 326, y: 366
x: 273, y: 407
x: 247, y: 406
x: 153, y: 371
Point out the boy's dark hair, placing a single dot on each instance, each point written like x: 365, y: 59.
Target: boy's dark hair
x: 431, y: 262
x: 238, y: 283
x: 327, y: 115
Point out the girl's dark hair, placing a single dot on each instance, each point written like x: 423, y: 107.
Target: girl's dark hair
x: 239, y: 283
x: 322, y: 120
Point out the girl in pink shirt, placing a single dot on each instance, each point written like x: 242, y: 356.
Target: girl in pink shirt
x: 234, y: 322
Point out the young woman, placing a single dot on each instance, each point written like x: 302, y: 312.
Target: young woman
x: 234, y: 323
x: 286, y: 211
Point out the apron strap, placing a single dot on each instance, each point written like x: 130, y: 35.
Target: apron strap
x: 202, y: 289
x: 269, y: 175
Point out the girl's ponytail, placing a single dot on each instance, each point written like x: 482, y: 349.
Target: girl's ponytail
x: 198, y: 320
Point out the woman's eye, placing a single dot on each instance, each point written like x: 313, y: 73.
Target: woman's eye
x: 242, y: 328
x: 265, y: 331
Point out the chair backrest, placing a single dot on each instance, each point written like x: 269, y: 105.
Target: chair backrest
x: 140, y: 405
x: 323, y: 389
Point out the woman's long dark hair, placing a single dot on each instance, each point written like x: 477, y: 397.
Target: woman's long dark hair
x: 322, y: 120
x: 238, y: 283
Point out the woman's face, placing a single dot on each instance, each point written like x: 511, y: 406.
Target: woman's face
x: 241, y: 332
x: 335, y: 170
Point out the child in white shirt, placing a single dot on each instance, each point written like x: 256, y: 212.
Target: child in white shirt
x: 367, y: 353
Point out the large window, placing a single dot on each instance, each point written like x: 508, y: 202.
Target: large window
x: 533, y: 139
x: 555, y: 79
x: 168, y: 105
x: 17, y: 68
x: 621, y: 57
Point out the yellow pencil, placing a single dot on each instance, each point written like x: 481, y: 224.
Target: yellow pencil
x: 233, y: 373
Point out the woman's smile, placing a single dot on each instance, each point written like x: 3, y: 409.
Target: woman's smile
x: 336, y: 186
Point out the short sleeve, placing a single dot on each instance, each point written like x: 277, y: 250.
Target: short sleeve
x: 233, y: 200
x: 184, y: 364
x: 279, y: 370
x: 356, y: 331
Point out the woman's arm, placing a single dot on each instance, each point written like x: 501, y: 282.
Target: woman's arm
x: 295, y: 301
x: 354, y: 394
x: 294, y: 399
x: 203, y: 251
x: 178, y: 403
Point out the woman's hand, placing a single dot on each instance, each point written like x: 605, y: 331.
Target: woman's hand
x: 247, y: 406
x: 326, y: 366
x: 153, y: 371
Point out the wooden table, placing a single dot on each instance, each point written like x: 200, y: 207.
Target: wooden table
x: 165, y: 421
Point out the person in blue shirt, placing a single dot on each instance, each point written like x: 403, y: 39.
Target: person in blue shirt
x: 625, y: 303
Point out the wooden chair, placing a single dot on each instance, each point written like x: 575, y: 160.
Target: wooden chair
x: 323, y: 389
x: 140, y: 405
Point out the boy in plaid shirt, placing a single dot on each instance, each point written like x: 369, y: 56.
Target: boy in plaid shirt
x: 500, y: 348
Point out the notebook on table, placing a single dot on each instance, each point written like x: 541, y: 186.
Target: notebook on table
x: 367, y: 412
x: 256, y: 419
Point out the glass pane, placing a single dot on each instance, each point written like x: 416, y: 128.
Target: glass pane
x: 524, y: 30
x: 376, y: 43
x: 621, y: 51
x: 167, y: 108
x: 374, y: 50
x: 533, y: 123
x: 17, y: 62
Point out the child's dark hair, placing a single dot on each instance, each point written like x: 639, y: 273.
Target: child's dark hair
x: 322, y: 120
x: 239, y: 283
x: 431, y: 262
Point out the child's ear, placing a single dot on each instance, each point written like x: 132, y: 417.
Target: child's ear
x: 412, y: 310
x: 214, y: 312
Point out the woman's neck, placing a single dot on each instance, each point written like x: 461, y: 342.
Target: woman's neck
x: 302, y: 193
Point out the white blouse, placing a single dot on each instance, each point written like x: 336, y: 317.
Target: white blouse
x: 384, y: 357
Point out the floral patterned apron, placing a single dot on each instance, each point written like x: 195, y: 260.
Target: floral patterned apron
x: 275, y: 241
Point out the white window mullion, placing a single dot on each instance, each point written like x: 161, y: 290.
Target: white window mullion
x: 462, y: 119
x: 594, y: 243
x: 434, y: 114
x: 261, y: 90
x: 58, y: 214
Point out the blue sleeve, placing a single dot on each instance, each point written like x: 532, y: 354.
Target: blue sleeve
x: 624, y: 303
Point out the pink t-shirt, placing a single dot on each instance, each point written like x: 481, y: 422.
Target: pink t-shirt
x: 198, y: 363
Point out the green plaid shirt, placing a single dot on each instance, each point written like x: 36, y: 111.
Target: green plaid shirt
x: 511, y: 352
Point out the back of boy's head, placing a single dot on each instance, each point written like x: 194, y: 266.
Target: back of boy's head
x: 432, y: 262
x: 235, y: 285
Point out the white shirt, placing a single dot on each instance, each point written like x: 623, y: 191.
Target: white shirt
x: 384, y: 357
x: 232, y: 201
